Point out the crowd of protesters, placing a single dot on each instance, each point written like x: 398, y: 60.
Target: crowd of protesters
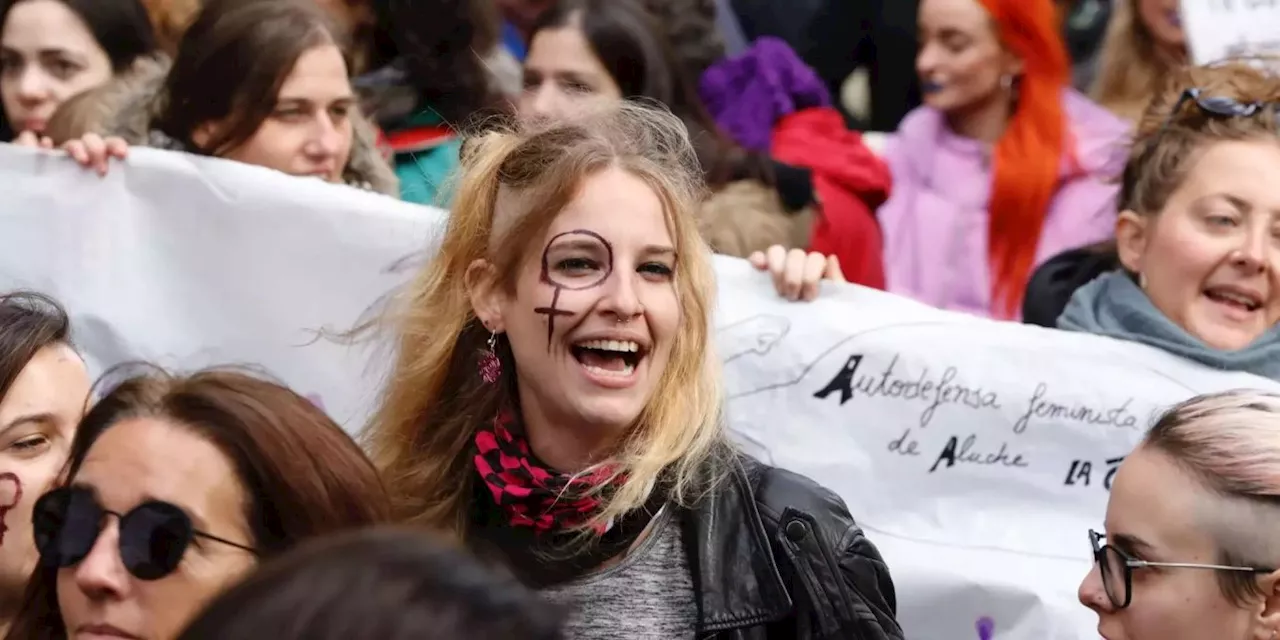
x: 568, y: 474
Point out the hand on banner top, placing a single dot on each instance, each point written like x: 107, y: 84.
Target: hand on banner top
x: 33, y: 139
x: 91, y: 151
x: 796, y: 274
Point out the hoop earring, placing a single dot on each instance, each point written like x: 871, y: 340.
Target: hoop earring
x: 490, y: 365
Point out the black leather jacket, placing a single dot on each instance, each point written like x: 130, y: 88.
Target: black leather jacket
x: 774, y: 555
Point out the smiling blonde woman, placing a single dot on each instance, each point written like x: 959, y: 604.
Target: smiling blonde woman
x: 555, y: 403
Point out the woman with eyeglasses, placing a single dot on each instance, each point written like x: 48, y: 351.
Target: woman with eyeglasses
x: 176, y: 487
x: 1189, y: 551
x: 1195, y: 265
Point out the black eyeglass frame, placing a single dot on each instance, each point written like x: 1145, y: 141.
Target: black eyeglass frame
x: 1130, y: 563
x: 169, y: 511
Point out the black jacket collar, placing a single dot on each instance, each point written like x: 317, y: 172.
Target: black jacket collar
x: 735, y: 576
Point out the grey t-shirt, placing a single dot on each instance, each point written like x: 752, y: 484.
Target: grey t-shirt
x: 647, y: 595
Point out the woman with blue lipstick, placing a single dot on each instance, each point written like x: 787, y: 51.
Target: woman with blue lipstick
x: 1003, y: 167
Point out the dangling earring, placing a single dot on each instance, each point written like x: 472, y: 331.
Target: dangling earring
x: 1006, y: 81
x: 490, y: 365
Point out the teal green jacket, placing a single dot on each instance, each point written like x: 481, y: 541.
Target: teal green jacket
x: 426, y: 158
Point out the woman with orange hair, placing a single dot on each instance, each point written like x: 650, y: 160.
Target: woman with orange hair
x: 1002, y: 167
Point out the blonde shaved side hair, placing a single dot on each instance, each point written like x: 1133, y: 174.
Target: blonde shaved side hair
x: 422, y: 435
x: 1230, y: 442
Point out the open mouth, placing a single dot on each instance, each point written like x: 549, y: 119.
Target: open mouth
x: 1234, y: 298
x: 617, y: 358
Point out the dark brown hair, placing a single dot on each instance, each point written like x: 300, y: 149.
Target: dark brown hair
x: 29, y: 322
x: 303, y: 476
x: 120, y: 27
x: 690, y: 26
x: 231, y: 64
x: 441, y: 45
x: 377, y: 585
x: 1168, y: 143
x: 630, y: 45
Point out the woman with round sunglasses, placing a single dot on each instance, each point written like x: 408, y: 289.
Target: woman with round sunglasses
x: 1190, y: 548
x: 44, y: 386
x: 176, y: 487
x: 1195, y: 265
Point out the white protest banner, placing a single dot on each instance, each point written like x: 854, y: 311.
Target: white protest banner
x: 976, y: 454
x: 190, y: 262
x: 1220, y: 29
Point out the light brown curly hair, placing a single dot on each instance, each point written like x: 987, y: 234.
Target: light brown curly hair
x: 1173, y: 130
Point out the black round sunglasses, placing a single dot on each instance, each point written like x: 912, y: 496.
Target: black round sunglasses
x: 153, y: 535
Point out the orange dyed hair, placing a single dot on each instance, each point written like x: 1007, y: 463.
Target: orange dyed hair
x: 1028, y: 156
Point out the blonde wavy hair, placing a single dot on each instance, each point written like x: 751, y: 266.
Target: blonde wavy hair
x: 422, y: 436
x: 1131, y: 67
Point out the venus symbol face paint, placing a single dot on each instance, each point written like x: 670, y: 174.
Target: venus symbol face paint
x: 10, y: 496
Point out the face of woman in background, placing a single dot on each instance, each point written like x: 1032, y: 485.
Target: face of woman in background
x: 38, y: 418
x: 961, y: 62
x: 1163, y: 20
x: 133, y: 462
x: 310, y: 131
x: 47, y: 55
x: 1209, y: 260
x: 1152, y: 515
x: 563, y: 76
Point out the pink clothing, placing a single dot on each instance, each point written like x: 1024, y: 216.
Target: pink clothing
x: 935, y: 221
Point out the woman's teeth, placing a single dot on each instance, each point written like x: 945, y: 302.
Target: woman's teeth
x: 612, y: 358
x: 1231, y: 297
x: 621, y: 346
x: 626, y: 370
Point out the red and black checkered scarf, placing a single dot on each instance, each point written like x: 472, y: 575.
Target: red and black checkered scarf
x: 527, y: 516
x: 526, y: 491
